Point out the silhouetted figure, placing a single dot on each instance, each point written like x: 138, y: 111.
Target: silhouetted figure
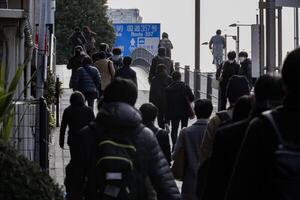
x: 77, y: 38
x: 90, y: 40
x: 267, y: 165
x: 116, y: 58
x: 126, y: 71
x: 118, y: 123
x: 160, y: 59
x: 246, y: 66
x: 105, y: 47
x: 217, y: 44
x: 157, y: 94
x: 190, y: 139
x: 178, y: 96
x: 165, y: 42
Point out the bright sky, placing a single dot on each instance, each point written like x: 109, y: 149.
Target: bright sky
x: 177, y: 19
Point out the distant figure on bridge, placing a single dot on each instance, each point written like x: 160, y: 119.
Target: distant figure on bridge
x: 90, y: 40
x: 77, y: 38
x: 217, y: 44
x: 157, y: 95
x: 165, y: 42
x: 160, y: 59
x: 126, y: 71
x: 116, y: 58
x: 246, y: 67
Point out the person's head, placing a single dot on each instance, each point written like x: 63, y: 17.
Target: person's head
x: 77, y: 29
x: 176, y: 76
x: 243, y: 55
x: 218, y: 32
x: 231, y: 55
x: 77, y: 99
x: 203, y: 108
x: 117, y: 51
x: 86, y: 29
x: 86, y: 60
x: 102, y: 55
x: 77, y: 50
x: 237, y: 86
x: 127, y: 60
x: 164, y: 35
x: 149, y: 112
x: 242, y: 108
x: 291, y: 72
x: 162, y: 51
x: 120, y: 90
x: 103, y: 47
x: 161, y: 69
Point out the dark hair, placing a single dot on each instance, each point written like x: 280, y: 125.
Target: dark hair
x: 77, y: 99
x: 242, y: 108
x: 160, y: 68
x: 237, y: 86
x: 243, y: 54
x: 291, y: 72
x: 121, y: 90
x: 176, y: 76
x: 103, y: 47
x: 96, y: 56
x: 77, y: 29
x: 164, y: 35
x: 117, y: 51
x: 127, y: 60
x: 149, y: 112
x: 102, y: 55
x: 203, y: 108
x: 218, y: 32
x: 231, y: 55
x: 86, y: 60
x: 162, y: 51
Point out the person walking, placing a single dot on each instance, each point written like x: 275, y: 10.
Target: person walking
x: 88, y: 81
x: 77, y: 38
x: 116, y: 58
x: 117, y: 132
x: 166, y: 43
x: 190, y: 139
x: 179, y: 96
x: 89, y: 35
x: 160, y: 59
x: 217, y: 44
x: 157, y: 94
x: 106, y: 69
x: 126, y: 71
x: 229, y: 68
x: 246, y: 67
x: 74, y: 64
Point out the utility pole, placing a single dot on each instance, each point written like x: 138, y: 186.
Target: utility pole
x: 261, y: 38
x: 237, y: 40
x: 197, y: 49
x: 271, y: 36
x: 279, y: 13
x: 296, y: 27
x: 41, y: 50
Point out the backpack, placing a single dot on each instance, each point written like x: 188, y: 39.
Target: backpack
x: 116, y: 166
x: 287, y: 164
x: 224, y: 117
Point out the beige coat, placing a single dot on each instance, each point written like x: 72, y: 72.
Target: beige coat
x: 106, y: 70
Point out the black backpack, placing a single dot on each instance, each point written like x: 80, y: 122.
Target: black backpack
x: 287, y: 169
x: 116, y: 166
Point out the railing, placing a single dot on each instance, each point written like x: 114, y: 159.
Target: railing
x: 142, y: 57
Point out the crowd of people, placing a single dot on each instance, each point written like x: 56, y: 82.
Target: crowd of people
x: 246, y: 150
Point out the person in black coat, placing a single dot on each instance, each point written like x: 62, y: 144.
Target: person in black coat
x: 229, y: 69
x: 256, y: 173
x: 126, y: 72
x: 178, y: 95
x: 157, y: 94
x: 75, y: 117
x: 268, y: 94
x: 246, y: 67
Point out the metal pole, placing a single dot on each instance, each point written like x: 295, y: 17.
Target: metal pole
x: 262, y: 38
x: 279, y: 38
x: 197, y: 48
x: 271, y: 36
x: 209, y: 86
x: 225, y: 56
x: 296, y: 27
x: 237, y: 40
x: 187, y: 75
x: 41, y: 51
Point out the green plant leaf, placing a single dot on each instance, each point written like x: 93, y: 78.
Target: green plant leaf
x: 8, y: 125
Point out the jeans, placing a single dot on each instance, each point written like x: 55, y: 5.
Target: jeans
x: 174, y: 130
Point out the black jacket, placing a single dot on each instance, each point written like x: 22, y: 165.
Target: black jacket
x: 123, y: 118
x: 127, y: 73
x: 228, y: 70
x: 160, y: 60
x: 177, y: 94
x: 252, y: 178
x: 157, y: 94
x: 246, y: 70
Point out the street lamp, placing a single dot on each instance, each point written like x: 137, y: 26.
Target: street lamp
x: 226, y: 36
x: 238, y: 34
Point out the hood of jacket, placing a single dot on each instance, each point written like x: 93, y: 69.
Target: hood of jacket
x: 118, y: 115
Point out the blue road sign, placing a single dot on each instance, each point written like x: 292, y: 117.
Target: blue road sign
x: 131, y: 36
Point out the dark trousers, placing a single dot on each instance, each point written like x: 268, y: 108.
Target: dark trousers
x: 90, y: 98
x: 223, y: 98
x: 161, y: 120
x: 174, y: 129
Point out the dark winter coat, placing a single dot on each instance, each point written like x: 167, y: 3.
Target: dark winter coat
x: 160, y: 60
x: 74, y: 64
x: 77, y: 38
x: 75, y: 117
x: 246, y: 70
x: 126, y: 120
x: 157, y: 94
x: 228, y: 70
x: 127, y: 73
x: 252, y: 178
x: 163, y: 140
x: 177, y: 94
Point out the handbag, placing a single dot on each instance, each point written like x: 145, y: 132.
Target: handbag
x: 191, y: 112
x: 179, y: 164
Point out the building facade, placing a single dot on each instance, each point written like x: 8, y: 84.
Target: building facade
x: 129, y: 16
